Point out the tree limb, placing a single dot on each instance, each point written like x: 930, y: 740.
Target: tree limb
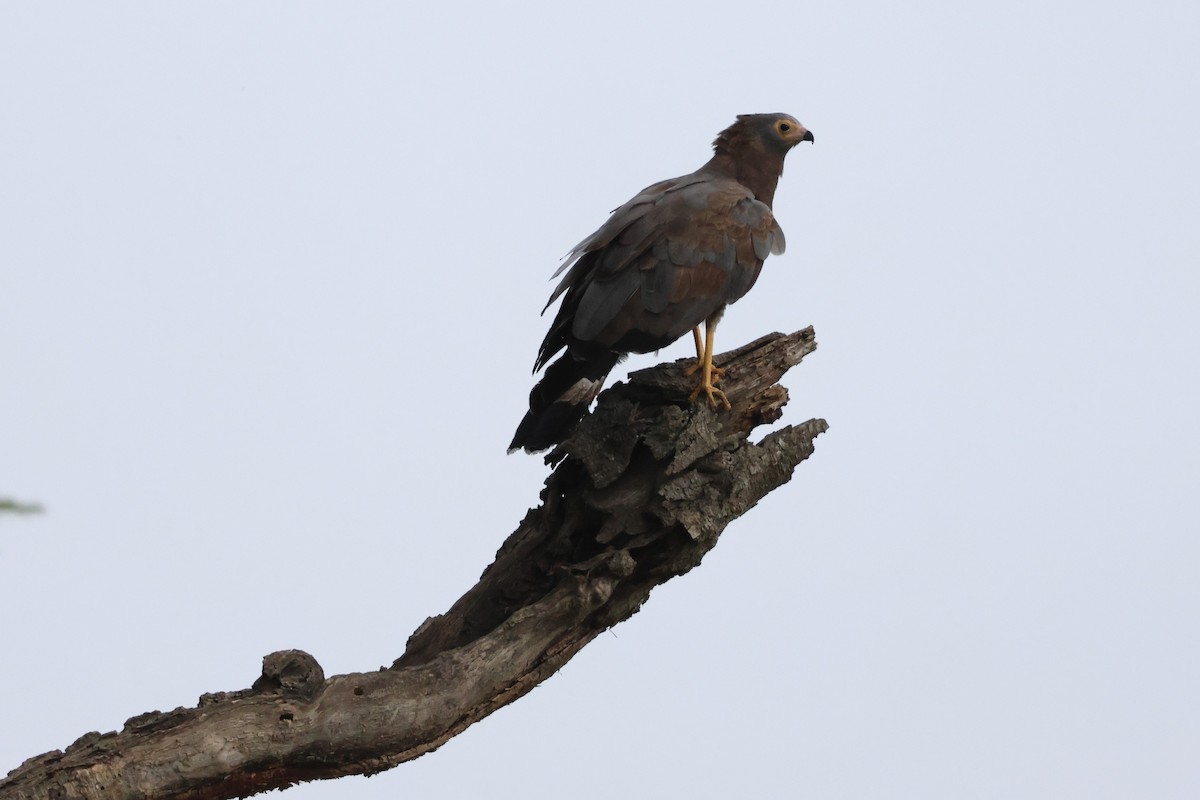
x: 641, y: 492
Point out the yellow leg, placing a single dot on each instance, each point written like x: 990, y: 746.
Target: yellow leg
x: 709, y: 373
x: 717, y: 372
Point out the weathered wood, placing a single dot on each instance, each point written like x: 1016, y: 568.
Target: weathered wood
x: 641, y: 492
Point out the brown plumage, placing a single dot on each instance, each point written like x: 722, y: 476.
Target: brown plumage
x: 671, y: 258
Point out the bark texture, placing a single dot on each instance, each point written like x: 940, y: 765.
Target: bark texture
x: 640, y: 492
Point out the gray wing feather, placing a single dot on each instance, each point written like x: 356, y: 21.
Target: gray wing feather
x: 619, y: 224
x: 658, y: 252
x: 658, y: 278
x: 601, y: 302
x: 762, y: 245
x: 778, y: 242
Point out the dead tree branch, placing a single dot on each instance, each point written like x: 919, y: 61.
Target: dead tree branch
x: 641, y: 491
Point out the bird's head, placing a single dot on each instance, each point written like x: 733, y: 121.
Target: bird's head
x: 774, y: 133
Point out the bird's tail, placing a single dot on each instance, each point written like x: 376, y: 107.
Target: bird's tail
x: 561, y: 398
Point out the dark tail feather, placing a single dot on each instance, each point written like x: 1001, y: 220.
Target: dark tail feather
x: 561, y: 398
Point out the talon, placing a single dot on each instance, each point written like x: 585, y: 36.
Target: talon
x: 715, y: 395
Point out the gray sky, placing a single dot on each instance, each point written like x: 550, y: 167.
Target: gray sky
x: 269, y: 298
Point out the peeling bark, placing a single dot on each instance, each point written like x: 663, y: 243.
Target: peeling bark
x: 639, y: 494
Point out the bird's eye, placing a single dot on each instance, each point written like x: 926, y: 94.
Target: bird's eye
x: 784, y: 127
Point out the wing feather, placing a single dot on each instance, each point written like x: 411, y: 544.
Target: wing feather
x: 662, y: 263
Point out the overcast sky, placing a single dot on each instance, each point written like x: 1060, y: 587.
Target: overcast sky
x: 270, y: 277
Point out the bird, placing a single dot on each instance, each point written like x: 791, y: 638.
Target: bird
x: 673, y: 257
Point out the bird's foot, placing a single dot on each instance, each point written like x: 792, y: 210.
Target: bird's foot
x: 715, y: 395
x: 717, y: 372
